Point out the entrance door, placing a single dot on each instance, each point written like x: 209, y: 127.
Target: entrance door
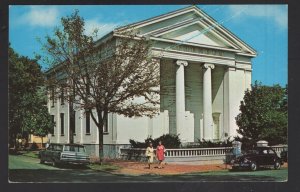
x: 216, y: 120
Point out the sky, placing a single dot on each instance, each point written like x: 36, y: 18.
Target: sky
x: 263, y: 27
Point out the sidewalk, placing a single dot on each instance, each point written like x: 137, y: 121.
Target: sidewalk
x: 141, y: 168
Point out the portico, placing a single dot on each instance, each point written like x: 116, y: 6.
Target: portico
x: 207, y: 99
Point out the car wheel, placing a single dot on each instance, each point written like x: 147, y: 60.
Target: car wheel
x: 253, y: 166
x: 54, y: 163
x: 277, y: 165
x: 234, y: 169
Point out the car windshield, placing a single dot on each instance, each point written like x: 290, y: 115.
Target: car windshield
x: 74, y: 148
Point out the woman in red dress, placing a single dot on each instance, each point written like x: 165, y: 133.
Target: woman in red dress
x: 160, y: 154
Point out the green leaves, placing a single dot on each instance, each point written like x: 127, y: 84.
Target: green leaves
x: 168, y: 140
x: 27, y: 98
x: 264, y: 114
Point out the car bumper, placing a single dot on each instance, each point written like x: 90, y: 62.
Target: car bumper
x: 240, y: 165
x: 73, y: 161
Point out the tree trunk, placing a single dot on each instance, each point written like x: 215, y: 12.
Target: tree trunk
x: 42, y: 141
x: 101, y: 155
x: 100, y: 125
x: 72, y: 122
x: 13, y: 141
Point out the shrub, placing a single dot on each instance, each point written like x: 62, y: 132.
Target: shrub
x: 210, y: 144
x: 136, y: 144
x: 168, y: 140
x: 34, y: 146
x: 247, y: 144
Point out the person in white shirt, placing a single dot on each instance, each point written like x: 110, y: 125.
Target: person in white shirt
x: 150, y: 154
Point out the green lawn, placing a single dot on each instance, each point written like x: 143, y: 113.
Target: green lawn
x: 277, y: 175
x: 104, y: 167
x: 33, y: 154
x: 29, y: 160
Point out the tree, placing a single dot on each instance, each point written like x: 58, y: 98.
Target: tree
x: 39, y: 122
x: 111, y: 75
x: 27, y: 110
x: 263, y: 115
x: 25, y: 77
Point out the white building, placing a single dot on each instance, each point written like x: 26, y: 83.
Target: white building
x: 205, y: 70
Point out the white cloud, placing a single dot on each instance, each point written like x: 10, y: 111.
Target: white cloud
x: 103, y: 28
x: 277, y: 13
x: 41, y: 16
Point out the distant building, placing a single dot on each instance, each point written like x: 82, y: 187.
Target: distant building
x: 36, y: 141
x: 205, y: 70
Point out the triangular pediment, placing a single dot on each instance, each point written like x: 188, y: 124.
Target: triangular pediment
x: 196, y: 34
x: 197, y: 37
x: 190, y: 25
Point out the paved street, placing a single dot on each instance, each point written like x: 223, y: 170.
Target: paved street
x: 27, y: 169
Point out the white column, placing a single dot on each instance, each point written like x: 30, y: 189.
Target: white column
x: 67, y: 128
x: 81, y: 126
x: 180, y: 96
x: 58, y: 125
x: 207, y: 103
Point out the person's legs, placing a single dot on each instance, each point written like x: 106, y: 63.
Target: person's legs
x: 148, y: 162
x: 159, y: 164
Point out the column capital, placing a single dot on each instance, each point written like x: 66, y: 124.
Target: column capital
x: 208, y: 65
x: 181, y: 62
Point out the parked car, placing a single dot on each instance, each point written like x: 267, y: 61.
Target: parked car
x: 284, y: 155
x: 258, y: 157
x: 64, y: 153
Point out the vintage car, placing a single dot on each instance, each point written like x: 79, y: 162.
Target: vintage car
x: 284, y: 155
x: 258, y: 157
x: 58, y: 154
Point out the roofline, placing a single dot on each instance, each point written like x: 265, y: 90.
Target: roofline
x: 228, y: 31
x: 112, y: 33
x: 97, y: 42
x: 155, y: 17
x: 199, y: 10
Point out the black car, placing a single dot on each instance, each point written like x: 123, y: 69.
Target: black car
x: 258, y: 157
x: 284, y: 155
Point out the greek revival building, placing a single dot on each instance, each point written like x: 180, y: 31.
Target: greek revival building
x: 205, y: 70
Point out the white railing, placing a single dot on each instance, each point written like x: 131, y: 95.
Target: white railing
x: 194, y: 152
x: 191, y: 152
x: 187, y: 152
x: 279, y: 148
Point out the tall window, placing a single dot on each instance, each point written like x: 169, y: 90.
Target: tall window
x: 73, y: 121
x: 62, y: 101
x: 52, y: 96
x: 105, y: 128
x: 88, y: 123
x: 62, y: 124
x: 52, y: 119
